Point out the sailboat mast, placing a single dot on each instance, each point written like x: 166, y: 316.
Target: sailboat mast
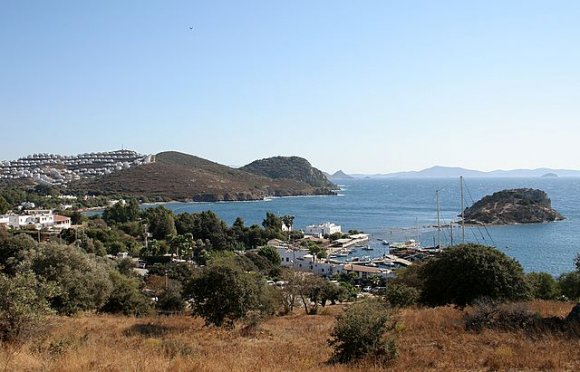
x: 451, y: 233
x: 438, y: 220
x: 462, y: 212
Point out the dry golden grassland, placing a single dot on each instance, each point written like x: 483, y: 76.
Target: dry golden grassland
x: 427, y: 339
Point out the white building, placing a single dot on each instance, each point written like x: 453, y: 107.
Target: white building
x: 301, y: 260
x: 321, y: 230
x: 38, y: 218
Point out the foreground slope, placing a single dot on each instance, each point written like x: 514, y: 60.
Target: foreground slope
x: 178, y: 176
x: 426, y: 339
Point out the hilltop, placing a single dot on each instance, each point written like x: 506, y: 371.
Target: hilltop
x: 512, y: 207
x: 339, y: 175
x: 183, y: 177
x: 292, y: 168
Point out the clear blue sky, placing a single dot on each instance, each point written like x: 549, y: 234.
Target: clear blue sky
x: 364, y: 86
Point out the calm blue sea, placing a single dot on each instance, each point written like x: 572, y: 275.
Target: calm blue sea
x: 399, y: 209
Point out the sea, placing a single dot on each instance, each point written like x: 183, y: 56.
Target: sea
x: 400, y: 209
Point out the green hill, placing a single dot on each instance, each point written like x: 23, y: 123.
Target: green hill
x: 183, y: 177
x: 290, y: 168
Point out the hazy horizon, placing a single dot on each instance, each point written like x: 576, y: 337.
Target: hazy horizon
x: 369, y: 87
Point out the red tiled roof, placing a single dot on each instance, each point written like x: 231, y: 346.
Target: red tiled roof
x: 59, y: 218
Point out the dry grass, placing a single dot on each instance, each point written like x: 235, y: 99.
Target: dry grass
x: 427, y: 339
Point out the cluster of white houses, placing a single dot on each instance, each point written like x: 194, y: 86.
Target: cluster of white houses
x: 301, y: 260
x: 36, y: 219
x: 54, y: 169
x: 324, y: 229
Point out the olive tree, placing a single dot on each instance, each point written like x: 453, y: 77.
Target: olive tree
x: 83, y: 283
x: 23, y: 305
x: 360, y: 333
x: 223, y: 293
x: 462, y: 274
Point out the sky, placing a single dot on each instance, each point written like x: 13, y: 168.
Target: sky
x: 362, y: 86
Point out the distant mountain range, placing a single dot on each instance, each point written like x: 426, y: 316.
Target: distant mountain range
x: 449, y: 172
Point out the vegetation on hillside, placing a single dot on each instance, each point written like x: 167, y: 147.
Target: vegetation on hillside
x: 177, y: 176
x: 292, y: 168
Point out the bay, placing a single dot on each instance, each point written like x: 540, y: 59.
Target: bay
x: 399, y: 209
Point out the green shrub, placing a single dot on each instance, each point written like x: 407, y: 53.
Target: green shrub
x: 223, y: 293
x: 83, y: 282
x: 360, y: 333
x: 569, y: 284
x: 271, y: 254
x: 23, y: 305
x: 543, y: 286
x: 125, y: 297
x: 401, y: 295
x: 467, y: 272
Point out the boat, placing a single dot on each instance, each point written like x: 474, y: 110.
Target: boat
x: 408, y: 244
x: 368, y: 248
x: 385, y: 242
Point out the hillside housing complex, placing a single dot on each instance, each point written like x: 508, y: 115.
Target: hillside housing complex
x: 51, y: 169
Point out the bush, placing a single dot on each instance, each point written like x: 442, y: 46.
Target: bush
x: 223, y: 293
x: 487, y: 313
x: 401, y: 295
x: 23, y: 304
x: 464, y: 273
x: 518, y: 317
x: 171, y: 300
x: 126, y: 298
x: 569, y: 284
x: 543, y: 286
x: 83, y: 283
x: 271, y: 254
x: 360, y: 333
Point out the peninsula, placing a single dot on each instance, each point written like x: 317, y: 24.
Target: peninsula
x: 513, y: 206
x: 182, y: 177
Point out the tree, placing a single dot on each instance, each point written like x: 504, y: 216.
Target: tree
x: 23, y: 305
x: 569, y: 284
x: 359, y: 332
x: 464, y: 273
x: 14, y: 251
x: 317, y: 251
x: 125, y: 297
x: 288, y: 221
x: 83, y: 284
x: 307, y: 288
x: 401, y: 295
x: 271, y: 254
x: 171, y: 299
x: 182, y: 245
x: 161, y: 222
x: 122, y: 212
x: 4, y: 206
x: 223, y: 293
x: 543, y: 286
x: 272, y: 222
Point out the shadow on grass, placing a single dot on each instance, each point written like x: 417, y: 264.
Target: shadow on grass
x: 518, y: 317
x: 148, y: 330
